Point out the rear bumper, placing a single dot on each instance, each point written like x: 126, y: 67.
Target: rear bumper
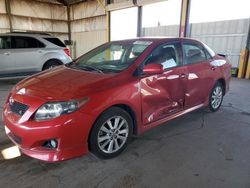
x: 71, y: 131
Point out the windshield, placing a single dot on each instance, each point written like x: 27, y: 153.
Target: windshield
x: 112, y: 57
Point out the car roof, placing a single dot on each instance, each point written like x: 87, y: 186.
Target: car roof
x: 27, y: 34
x: 158, y: 39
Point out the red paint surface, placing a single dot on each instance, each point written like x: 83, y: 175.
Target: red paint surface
x: 154, y: 99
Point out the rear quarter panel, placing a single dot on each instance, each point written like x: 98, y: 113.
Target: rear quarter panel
x: 224, y: 69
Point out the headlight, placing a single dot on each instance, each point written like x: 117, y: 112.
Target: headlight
x: 55, y: 109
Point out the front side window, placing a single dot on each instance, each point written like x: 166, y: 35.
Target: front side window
x: 26, y: 42
x: 169, y: 55
x: 5, y: 42
x: 193, y: 53
x: 112, y: 57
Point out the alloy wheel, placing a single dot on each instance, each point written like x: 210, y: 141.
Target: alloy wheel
x: 113, y: 134
x: 216, y: 97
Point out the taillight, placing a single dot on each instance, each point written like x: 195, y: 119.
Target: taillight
x: 67, y: 51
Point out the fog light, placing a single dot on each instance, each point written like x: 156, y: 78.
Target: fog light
x: 51, y: 144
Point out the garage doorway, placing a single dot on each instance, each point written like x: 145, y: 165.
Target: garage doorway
x: 123, y: 24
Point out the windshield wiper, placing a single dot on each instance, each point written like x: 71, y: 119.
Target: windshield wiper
x: 89, y: 67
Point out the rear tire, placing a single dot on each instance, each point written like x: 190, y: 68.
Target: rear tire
x: 51, y: 64
x: 216, y: 97
x: 111, y: 133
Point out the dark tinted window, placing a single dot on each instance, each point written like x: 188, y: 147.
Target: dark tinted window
x: 5, y: 42
x: 55, y: 41
x: 26, y: 42
x: 194, y: 53
x: 169, y: 55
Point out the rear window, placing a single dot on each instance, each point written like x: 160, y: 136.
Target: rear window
x: 55, y: 41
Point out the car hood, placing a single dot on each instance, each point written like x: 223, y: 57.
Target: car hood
x: 63, y: 83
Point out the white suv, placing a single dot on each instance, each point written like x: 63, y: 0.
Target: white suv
x: 23, y: 54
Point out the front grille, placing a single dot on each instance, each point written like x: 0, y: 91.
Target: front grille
x: 18, y: 108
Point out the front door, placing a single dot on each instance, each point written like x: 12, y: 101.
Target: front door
x: 164, y: 94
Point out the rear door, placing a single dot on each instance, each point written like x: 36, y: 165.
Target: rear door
x: 7, y: 58
x: 201, y: 74
x: 28, y: 52
x: 164, y: 94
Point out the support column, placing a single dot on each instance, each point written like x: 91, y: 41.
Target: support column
x: 243, y: 67
x: 139, y: 22
x: 69, y: 22
x: 108, y: 26
x: 8, y: 11
x: 184, y: 22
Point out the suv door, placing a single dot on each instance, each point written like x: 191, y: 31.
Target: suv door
x: 163, y: 94
x: 28, y: 52
x: 201, y: 74
x: 7, y: 58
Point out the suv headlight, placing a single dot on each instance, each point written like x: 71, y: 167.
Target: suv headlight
x: 52, y: 110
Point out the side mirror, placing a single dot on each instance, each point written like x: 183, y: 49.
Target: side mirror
x: 151, y: 69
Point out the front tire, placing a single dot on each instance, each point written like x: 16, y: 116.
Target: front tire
x: 111, y: 133
x: 216, y: 97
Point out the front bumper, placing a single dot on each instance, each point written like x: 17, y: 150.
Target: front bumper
x: 71, y: 131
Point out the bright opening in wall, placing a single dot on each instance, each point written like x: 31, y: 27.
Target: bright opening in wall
x: 218, y: 10
x: 123, y: 23
x: 162, y: 13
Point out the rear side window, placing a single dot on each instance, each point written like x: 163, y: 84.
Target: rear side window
x: 5, y: 42
x: 55, y: 41
x: 26, y: 42
x: 194, y: 53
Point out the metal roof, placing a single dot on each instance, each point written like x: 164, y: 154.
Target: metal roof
x: 64, y: 2
x: 70, y: 2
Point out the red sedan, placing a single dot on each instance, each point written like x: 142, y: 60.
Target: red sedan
x: 118, y: 89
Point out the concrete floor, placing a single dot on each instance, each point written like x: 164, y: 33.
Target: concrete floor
x: 200, y: 149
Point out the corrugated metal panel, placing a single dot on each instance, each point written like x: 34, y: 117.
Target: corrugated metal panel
x: 90, y: 24
x: 227, y: 37
x: 25, y: 23
x: 86, y: 10
x: 2, y: 6
x: 146, y: 2
x: 120, y: 4
x: 88, y: 27
x: 39, y: 10
x: 4, y: 22
x: 85, y: 41
x: 171, y: 30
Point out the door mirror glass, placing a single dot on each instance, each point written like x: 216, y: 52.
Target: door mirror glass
x: 151, y: 69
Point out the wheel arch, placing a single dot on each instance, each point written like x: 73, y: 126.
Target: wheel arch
x: 126, y: 108
x: 223, y: 82
x: 50, y: 60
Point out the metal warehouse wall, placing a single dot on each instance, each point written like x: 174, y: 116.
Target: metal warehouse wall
x: 227, y: 37
x: 171, y: 30
x: 36, y: 16
x: 4, y: 22
x: 88, y: 26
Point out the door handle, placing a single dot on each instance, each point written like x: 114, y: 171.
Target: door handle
x: 40, y: 51
x: 213, y: 68
x: 7, y: 53
x: 183, y: 76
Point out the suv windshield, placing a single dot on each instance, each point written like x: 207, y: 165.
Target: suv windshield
x: 112, y: 57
